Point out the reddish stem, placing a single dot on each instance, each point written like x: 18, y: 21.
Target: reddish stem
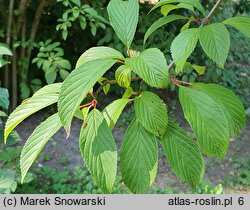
x: 93, y: 103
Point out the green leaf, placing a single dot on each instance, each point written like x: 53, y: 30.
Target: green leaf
x: 196, y: 4
x: 35, y: 143
x: 3, y: 62
x: 199, y: 69
x: 65, y: 64
x: 139, y: 158
x: 163, y: 2
x: 186, y: 6
x: 77, y: 85
x: 44, y: 97
x: 123, y: 16
x: 183, y: 155
x: 4, y: 98
x: 96, y: 53
x: 183, y: 45
x: 25, y: 90
x: 161, y: 22
x: 113, y: 111
x: 77, y: 2
x: 240, y: 23
x: 151, y: 66
x: 168, y: 8
x: 187, y: 25
x: 123, y: 76
x: 4, y: 49
x: 63, y: 74
x: 7, y: 181
x: 128, y: 93
x: 207, y: 120
x: 151, y: 112
x: 215, y: 42
x: 227, y: 99
x: 106, y: 88
x: 98, y: 150
x: 50, y: 75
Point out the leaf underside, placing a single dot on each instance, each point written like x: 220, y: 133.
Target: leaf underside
x: 46, y: 96
x: 77, y: 85
x: 38, y: 139
x: 98, y: 150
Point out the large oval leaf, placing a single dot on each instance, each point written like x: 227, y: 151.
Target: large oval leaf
x: 75, y: 88
x: 151, y: 112
x: 96, y: 53
x: 161, y: 22
x: 183, y: 45
x: 207, y: 120
x: 98, y: 150
x: 41, y: 99
x: 35, y: 143
x: 240, y: 23
x: 215, y: 42
x: 183, y: 155
x: 226, y: 98
x: 139, y: 158
x: 113, y: 111
x: 123, y: 16
x: 151, y: 66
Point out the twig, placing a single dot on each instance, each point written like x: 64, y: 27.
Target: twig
x: 211, y: 13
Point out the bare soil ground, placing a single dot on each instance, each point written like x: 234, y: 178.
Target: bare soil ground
x: 216, y: 171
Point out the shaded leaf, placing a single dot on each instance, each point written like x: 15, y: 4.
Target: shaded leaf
x: 161, y: 22
x: 139, y: 158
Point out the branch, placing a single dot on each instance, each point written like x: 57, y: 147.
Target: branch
x: 211, y: 13
x: 111, y: 82
x: 8, y: 40
x: 22, y: 9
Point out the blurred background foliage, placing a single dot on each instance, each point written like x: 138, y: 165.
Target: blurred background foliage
x: 47, y: 37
